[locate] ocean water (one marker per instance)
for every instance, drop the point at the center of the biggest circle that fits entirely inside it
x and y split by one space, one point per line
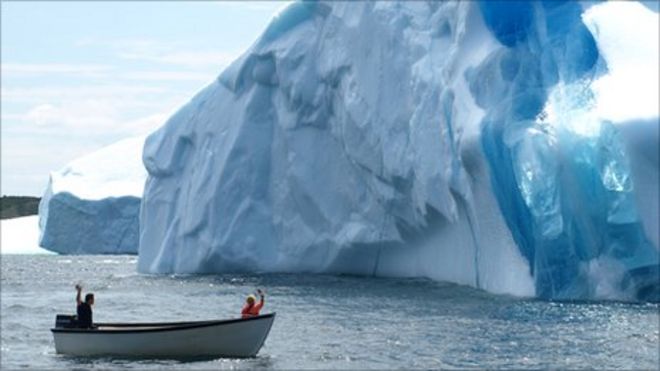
326 322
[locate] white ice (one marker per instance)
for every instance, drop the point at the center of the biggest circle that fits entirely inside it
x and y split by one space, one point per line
91 206
21 236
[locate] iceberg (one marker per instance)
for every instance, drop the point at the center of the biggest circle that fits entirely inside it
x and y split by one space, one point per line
460 141
92 205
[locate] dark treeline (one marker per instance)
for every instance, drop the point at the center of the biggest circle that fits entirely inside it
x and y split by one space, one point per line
15 206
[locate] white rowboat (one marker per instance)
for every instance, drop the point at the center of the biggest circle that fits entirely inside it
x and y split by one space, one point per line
218 338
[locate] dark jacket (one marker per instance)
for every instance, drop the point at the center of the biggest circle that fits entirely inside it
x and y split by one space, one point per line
84 315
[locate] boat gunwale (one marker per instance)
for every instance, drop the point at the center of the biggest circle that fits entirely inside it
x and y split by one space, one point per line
159 326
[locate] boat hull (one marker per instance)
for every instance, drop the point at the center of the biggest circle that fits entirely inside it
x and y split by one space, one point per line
228 338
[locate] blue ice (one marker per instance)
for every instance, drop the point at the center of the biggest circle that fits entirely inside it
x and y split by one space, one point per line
567 199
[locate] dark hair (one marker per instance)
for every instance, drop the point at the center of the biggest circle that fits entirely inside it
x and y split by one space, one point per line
89 297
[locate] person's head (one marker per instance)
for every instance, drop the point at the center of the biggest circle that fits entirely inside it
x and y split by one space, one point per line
250 299
89 299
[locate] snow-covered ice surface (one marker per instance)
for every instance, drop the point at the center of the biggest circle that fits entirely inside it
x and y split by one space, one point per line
472 142
91 206
21 236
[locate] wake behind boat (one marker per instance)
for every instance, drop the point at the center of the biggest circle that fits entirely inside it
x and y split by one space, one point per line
215 338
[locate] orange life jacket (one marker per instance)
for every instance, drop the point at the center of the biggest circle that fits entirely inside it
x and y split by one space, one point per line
252 310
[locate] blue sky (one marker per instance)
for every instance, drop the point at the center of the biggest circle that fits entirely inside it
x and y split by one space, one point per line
77 76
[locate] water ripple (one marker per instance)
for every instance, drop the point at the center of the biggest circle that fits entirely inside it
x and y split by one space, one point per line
325 321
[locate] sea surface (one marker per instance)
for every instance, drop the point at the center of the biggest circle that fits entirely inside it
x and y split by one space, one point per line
324 322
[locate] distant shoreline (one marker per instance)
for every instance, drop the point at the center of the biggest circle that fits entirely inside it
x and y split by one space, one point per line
18 206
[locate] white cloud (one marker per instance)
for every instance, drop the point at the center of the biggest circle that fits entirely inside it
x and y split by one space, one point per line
119 43
110 74
81 115
37 69
97 91
86 117
194 59
168 53
168 76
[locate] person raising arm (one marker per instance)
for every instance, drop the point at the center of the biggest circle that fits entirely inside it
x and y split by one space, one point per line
84 308
251 309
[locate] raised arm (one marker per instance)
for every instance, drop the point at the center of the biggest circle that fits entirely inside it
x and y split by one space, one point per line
262 296
78 299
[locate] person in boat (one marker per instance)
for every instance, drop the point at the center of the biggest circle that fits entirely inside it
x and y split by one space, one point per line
251 308
84 309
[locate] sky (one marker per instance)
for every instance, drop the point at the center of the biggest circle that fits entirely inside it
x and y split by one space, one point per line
78 76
